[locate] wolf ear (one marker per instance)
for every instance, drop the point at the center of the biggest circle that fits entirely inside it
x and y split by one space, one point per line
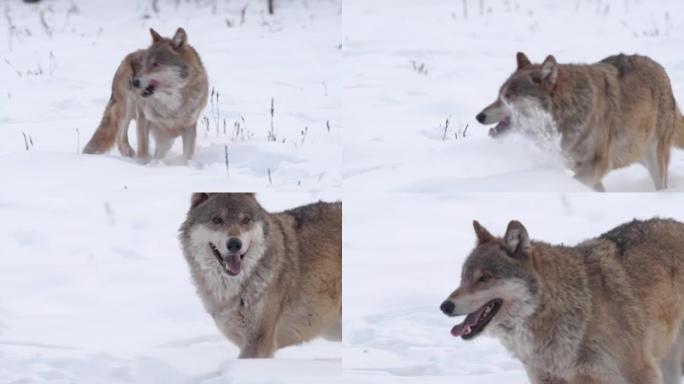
179 39
198 198
155 36
549 69
483 235
522 60
516 238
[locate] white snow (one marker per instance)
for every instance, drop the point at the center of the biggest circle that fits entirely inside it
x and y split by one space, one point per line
411 65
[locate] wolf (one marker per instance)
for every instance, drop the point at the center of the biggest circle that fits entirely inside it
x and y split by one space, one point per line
164 88
607 310
269 280
609 115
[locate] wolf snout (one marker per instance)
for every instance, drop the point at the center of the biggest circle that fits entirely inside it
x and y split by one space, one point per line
447 307
481 117
234 245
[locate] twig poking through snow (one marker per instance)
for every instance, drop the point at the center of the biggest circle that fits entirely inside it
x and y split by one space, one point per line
110 213
78 141
420 69
43 21
12 66
304 132
225 149
271 132
243 12
270 180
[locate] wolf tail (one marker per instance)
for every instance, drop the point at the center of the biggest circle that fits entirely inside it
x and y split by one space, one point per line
679 129
105 135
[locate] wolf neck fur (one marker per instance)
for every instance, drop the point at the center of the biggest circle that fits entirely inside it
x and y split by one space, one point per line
542 334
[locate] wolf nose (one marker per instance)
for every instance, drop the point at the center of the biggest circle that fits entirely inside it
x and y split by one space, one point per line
480 117
234 245
447 307
135 83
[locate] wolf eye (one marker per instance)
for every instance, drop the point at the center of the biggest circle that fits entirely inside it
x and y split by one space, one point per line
155 64
485 277
246 220
217 220
536 79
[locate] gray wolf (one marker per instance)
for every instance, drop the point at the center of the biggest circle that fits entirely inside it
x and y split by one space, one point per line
164 88
609 115
607 310
269 280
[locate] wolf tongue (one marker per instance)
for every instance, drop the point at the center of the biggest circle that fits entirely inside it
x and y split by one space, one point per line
469 322
233 263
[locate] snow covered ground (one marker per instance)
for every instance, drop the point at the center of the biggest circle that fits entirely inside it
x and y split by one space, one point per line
411 65
402 257
94 289
59 57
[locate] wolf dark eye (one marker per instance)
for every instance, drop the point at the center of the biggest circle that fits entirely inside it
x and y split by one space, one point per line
246 220
217 220
155 64
485 277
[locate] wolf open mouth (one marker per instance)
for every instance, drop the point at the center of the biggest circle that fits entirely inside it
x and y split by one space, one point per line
148 91
503 126
475 322
231 263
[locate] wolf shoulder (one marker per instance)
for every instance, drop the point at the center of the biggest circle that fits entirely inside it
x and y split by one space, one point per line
647 238
633 64
320 214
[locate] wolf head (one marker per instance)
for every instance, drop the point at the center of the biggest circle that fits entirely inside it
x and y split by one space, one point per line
225 231
526 93
162 67
497 287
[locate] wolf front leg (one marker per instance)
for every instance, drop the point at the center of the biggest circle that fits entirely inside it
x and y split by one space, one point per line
189 137
542 377
591 172
143 135
261 341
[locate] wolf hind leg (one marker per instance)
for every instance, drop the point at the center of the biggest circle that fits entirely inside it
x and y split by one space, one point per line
650 161
663 155
122 138
108 130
